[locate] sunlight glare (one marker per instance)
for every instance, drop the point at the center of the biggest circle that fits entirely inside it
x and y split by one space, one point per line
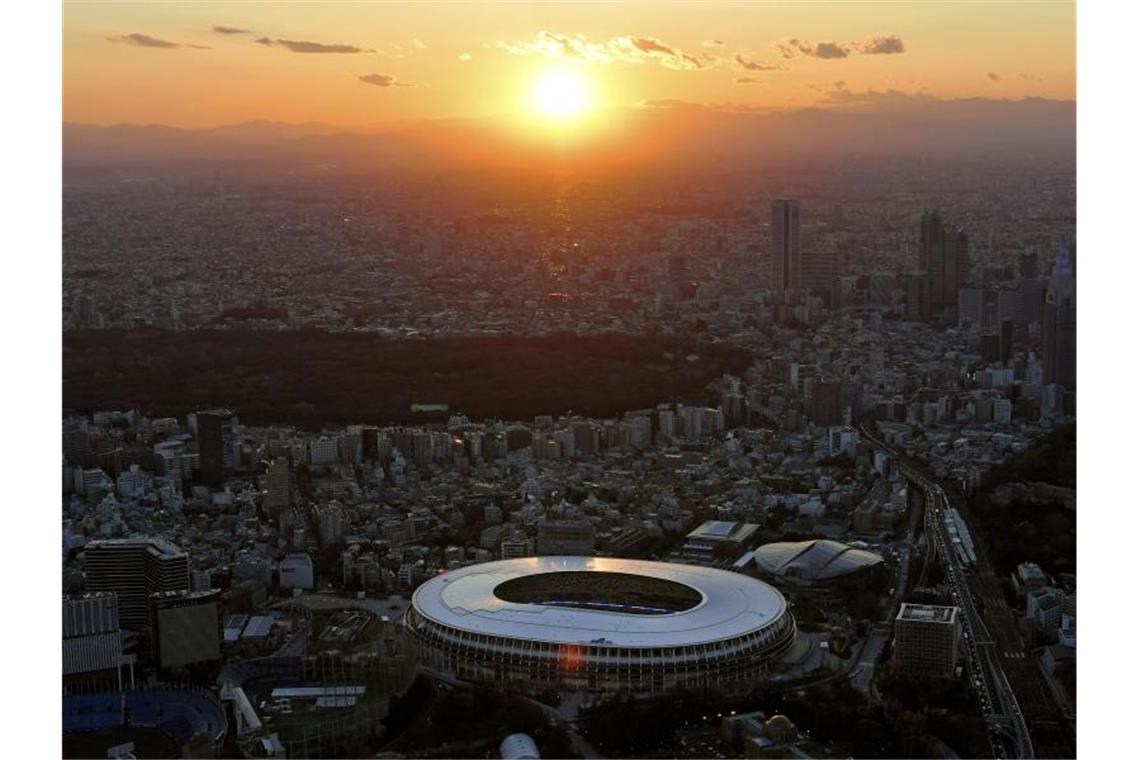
561 95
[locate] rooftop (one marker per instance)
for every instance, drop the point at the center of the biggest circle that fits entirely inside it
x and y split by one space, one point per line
927 613
731 604
720 530
818 559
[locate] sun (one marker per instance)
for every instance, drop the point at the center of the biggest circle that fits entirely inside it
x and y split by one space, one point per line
562 95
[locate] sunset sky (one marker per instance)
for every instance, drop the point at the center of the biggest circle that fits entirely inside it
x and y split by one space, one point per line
367 64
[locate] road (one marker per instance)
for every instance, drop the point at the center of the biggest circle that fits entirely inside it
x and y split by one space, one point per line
872 649
1009 734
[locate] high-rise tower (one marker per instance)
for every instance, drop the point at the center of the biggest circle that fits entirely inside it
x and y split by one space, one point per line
213 427
786 271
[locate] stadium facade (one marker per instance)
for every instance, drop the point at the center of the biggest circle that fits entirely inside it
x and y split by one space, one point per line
600 623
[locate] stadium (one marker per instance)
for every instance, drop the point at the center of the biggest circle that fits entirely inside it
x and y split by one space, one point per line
163 722
600 623
815 561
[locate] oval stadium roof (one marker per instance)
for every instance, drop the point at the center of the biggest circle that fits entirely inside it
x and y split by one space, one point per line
816 560
731 605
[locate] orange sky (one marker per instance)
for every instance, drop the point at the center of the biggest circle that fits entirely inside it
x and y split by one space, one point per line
446 60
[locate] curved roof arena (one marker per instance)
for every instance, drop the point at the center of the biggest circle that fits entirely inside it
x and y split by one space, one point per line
729 604
815 560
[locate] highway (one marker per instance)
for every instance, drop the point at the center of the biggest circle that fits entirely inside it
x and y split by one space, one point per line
1009 735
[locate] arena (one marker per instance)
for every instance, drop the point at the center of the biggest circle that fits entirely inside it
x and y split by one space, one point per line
597 623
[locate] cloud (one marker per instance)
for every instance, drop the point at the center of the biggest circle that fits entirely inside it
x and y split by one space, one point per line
840 95
750 65
994 77
418 44
712 43
655 49
145 40
816 50
889 45
219 29
383 80
465 56
750 80
878 45
687 105
1028 77
671 103
301 46
627 49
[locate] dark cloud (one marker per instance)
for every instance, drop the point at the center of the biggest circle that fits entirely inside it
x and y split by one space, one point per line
383 80
829 50
145 40
889 45
219 29
994 76
749 65
302 46
1028 77
879 45
749 80
814 50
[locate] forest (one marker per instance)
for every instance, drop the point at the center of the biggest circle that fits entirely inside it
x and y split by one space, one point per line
313 378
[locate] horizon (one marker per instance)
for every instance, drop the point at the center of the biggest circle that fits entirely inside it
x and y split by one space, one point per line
635 107
203 66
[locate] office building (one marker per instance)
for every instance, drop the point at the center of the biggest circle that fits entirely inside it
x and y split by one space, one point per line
918 300
277 494
187 627
927 639
944 255
1043 607
826 402
214 428
296 571
1059 325
818 272
786 274
133 569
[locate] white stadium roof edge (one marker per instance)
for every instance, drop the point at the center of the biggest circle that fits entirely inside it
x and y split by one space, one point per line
731 604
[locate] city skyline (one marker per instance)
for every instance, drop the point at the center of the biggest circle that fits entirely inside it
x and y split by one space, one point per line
568 380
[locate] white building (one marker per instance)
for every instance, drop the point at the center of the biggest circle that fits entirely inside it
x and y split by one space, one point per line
296 571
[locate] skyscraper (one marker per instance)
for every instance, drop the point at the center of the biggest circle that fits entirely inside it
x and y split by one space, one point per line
944 254
277 487
786 245
212 430
135 568
1059 324
929 241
